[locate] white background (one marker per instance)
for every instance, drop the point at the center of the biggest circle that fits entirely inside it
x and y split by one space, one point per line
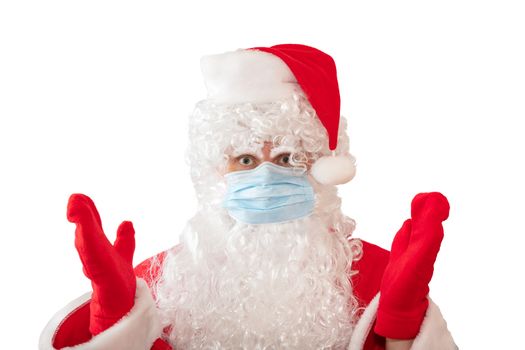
95 96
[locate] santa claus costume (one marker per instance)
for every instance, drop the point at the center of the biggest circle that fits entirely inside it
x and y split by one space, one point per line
268 261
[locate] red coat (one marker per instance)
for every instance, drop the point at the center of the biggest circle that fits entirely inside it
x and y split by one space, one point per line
140 329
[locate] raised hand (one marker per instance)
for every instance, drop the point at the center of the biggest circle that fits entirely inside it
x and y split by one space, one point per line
404 288
109 267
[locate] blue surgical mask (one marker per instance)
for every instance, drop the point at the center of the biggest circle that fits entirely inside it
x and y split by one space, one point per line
268 194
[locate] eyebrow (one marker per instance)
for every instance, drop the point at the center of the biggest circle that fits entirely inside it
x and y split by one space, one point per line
247 150
280 150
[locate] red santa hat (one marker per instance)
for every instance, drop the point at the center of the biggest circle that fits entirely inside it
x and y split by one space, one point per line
265 74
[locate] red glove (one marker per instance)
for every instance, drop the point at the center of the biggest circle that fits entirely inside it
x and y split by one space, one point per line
109 267
404 288
161 345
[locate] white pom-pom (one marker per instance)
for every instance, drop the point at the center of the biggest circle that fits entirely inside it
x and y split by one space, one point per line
334 170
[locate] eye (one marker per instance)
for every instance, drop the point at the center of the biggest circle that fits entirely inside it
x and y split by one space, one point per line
284 159
246 160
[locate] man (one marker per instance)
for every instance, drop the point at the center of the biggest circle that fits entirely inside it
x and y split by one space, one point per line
268 261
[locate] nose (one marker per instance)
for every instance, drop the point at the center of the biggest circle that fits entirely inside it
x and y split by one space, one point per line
266 151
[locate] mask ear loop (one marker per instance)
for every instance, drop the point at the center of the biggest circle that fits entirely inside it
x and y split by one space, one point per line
298 171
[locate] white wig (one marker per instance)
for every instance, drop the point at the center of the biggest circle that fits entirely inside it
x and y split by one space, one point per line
218 131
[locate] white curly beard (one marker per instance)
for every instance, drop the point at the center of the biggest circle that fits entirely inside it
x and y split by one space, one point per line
272 286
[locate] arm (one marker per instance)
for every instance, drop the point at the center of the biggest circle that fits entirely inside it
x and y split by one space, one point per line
374 268
109 267
120 313
404 288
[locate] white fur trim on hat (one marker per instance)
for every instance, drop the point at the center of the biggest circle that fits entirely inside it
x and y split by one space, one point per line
433 335
334 170
135 331
247 76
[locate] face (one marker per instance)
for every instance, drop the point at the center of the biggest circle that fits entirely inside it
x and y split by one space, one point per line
247 161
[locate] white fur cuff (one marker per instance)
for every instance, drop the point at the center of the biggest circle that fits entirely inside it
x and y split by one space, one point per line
433 335
135 331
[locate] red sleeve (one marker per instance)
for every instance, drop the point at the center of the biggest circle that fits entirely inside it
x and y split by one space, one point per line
367 281
74 329
149 269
